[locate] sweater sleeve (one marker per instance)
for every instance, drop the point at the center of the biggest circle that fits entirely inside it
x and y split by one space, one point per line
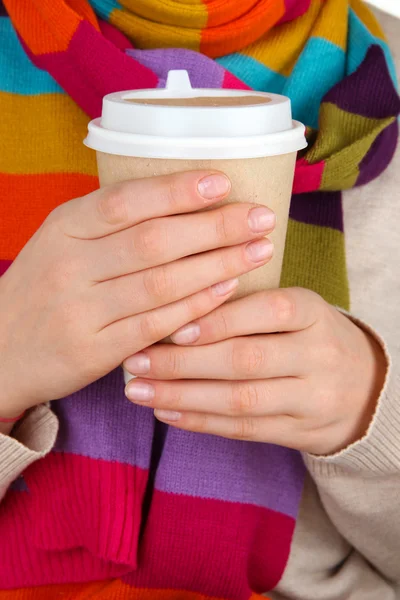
31 439
359 488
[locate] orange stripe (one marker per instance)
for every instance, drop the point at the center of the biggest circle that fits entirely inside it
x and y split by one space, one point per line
105 590
48 25
219 41
28 199
221 11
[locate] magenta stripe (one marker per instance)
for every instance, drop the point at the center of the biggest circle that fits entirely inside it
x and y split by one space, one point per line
4 264
294 9
221 469
93 67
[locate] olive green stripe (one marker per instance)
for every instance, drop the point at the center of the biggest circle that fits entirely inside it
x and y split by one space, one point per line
342 144
315 259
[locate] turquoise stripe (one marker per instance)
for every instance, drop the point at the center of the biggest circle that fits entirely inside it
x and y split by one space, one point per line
360 39
17 74
104 8
308 82
320 66
253 73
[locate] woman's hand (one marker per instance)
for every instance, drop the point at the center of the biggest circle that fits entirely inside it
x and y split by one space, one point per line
281 366
112 273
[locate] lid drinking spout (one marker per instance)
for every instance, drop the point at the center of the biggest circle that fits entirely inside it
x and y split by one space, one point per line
178 81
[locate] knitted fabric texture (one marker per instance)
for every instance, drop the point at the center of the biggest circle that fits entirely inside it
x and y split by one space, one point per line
124 507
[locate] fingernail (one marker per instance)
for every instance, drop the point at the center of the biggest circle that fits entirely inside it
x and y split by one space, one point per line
224 287
138 364
139 391
186 335
213 186
261 219
259 250
167 415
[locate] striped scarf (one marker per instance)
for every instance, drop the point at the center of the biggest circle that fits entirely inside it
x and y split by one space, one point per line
147 510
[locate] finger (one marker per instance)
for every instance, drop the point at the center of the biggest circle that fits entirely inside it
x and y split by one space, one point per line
139 331
164 240
280 430
143 291
237 398
122 205
270 311
241 358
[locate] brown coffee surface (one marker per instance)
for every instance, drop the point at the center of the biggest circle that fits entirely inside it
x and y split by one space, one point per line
216 101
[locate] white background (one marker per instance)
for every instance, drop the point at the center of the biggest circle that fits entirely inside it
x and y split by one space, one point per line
390 6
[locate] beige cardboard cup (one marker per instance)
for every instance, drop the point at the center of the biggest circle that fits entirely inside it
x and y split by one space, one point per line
250 136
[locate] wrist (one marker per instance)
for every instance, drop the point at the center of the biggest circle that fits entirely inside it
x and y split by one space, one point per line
7 422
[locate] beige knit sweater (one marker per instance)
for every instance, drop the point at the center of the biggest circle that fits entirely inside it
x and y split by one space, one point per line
347 539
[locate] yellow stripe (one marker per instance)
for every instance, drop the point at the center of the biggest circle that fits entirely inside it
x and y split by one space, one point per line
280 49
368 18
283 45
332 23
169 12
148 35
43 134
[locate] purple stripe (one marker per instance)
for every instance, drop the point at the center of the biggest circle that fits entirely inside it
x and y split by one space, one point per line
318 208
369 91
19 485
203 71
93 67
4 264
221 469
99 422
379 155
3 11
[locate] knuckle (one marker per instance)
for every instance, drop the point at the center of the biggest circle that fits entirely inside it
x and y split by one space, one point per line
62 278
151 328
327 402
283 306
112 207
174 192
225 266
244 399
173 399
149 240
244 428
221 230
159 284
329 355
247 358
173 363
221 324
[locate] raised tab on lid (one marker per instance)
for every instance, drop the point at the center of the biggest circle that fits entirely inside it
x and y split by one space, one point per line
178 81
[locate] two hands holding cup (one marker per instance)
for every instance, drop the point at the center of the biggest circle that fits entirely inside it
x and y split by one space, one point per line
111 274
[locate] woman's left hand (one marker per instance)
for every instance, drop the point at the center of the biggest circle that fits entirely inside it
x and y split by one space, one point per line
280 366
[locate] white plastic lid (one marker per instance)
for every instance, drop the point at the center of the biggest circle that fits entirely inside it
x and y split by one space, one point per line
181 122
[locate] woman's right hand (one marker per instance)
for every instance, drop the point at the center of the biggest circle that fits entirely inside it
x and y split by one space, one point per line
114 272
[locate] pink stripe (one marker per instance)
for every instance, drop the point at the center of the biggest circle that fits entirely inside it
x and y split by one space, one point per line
4 264
115 36
307 177
93 67
212 547
80 521
294 9
233 83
